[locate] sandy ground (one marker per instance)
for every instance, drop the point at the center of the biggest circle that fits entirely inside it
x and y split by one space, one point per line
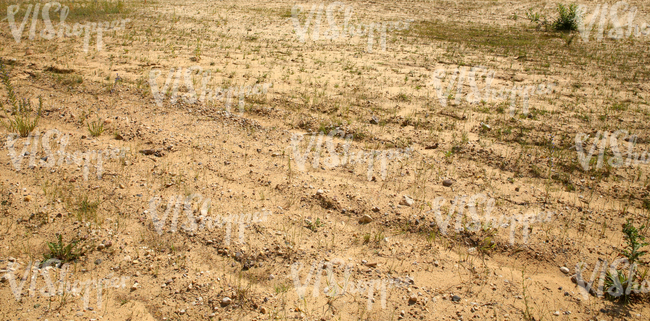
355 219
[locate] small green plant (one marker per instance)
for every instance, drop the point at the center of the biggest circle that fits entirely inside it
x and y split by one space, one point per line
197 51
618 279
634 242
532 16
281 288
527 314
449 156
65 253
314 225
86 209
379 236
96 128
21 122
568 19
487 244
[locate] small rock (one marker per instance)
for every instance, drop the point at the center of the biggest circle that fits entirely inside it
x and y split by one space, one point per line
406 201
375 209
271 277
371 264
154 152
28 198
319 192
276 154
455 298
434 146
365 219
122 186
447 183
413 299
225 301
574 279
565 270
135 286
101 247
374 120
263 310
556 313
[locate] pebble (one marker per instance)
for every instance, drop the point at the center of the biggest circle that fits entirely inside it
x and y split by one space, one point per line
455 298
406 201
565 270
225 301
447 182
365 219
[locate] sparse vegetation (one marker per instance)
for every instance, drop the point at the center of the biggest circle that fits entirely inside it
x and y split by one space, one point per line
65 253
96 127
568 18
20 120
620 282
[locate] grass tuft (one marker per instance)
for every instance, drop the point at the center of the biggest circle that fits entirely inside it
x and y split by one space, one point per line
21 123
